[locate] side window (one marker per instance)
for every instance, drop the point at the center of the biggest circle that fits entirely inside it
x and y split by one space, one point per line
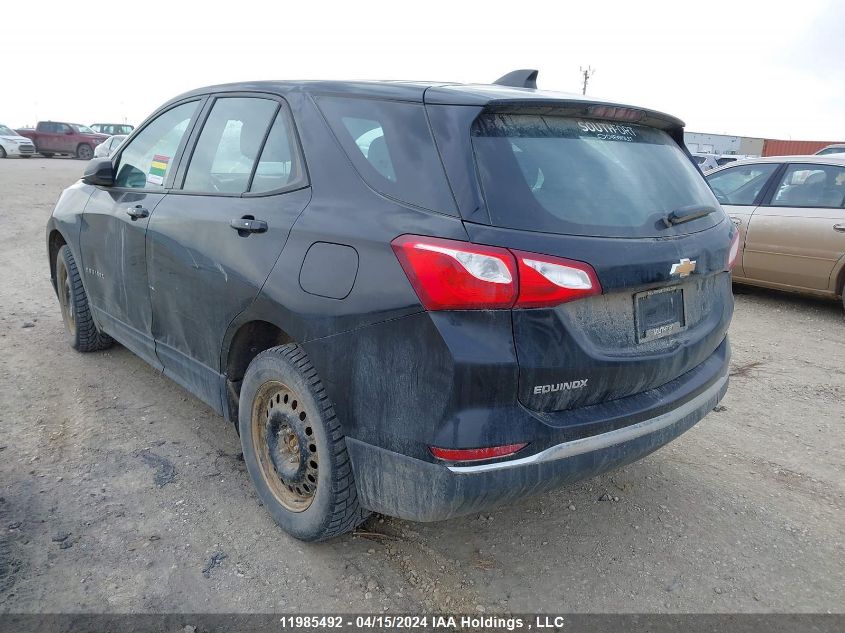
145 162
811 186
742 184
62 128
279 165
369 137
391 147
229 144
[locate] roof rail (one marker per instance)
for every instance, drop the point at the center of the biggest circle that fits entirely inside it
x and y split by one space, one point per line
524 78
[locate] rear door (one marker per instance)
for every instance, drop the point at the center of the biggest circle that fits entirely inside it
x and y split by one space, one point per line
600 192
797 236
212 242
740 189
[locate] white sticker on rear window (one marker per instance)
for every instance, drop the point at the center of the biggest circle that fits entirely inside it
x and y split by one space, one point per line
608 131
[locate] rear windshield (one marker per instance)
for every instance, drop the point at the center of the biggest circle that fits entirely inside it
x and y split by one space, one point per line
585 177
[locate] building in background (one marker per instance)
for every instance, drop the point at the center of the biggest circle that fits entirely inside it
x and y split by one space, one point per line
723 144
720 144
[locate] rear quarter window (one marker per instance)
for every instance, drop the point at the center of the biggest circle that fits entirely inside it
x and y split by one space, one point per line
391 147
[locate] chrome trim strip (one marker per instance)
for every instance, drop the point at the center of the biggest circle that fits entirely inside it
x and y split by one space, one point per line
605 440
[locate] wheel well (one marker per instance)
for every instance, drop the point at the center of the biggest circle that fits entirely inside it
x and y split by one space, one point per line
55 242
248 342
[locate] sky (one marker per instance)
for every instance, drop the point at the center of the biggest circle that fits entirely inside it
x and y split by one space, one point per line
743 67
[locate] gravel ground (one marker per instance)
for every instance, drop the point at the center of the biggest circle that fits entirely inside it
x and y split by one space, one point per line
123 493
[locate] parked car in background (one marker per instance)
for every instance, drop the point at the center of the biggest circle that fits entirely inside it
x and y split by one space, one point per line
468 294
57 137
726 159
107 147
113 128
837 148
706 162
13 144
790 211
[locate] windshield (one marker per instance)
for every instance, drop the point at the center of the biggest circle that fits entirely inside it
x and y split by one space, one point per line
831 150
585 177
82 129
4 131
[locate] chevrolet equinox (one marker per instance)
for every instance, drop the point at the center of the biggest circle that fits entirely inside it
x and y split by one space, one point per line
419 299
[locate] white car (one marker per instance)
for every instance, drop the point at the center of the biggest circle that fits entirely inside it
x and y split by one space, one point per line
836 148
13 144
107 147
706 161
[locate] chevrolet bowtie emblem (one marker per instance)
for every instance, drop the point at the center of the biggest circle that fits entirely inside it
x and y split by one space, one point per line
683 268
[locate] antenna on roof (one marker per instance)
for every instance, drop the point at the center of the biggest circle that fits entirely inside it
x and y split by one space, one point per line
524 78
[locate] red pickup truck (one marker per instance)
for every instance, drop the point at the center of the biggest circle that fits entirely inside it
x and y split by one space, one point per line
51 137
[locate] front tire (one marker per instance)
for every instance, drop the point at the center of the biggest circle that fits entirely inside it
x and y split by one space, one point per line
294 448
80 329
3 153
84 152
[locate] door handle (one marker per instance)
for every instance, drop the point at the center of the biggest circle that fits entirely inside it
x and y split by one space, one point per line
245 226
137 212
839 227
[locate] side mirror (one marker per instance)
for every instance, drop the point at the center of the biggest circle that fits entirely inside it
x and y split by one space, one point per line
100 172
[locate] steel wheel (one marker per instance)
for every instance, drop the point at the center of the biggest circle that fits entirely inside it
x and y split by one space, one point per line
65 291
285 445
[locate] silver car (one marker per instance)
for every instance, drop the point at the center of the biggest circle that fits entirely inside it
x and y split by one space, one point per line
13 144
108 147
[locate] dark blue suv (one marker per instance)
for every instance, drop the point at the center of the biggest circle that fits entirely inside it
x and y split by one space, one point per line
420 299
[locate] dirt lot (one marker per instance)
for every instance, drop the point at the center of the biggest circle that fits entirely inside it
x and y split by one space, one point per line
742 513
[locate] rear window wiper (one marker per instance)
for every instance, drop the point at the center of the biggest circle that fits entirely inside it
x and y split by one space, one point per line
685 214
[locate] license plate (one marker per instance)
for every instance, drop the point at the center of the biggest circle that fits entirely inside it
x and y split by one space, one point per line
659 313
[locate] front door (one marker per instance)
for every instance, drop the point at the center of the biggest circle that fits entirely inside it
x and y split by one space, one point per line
213 241
114 225
793 240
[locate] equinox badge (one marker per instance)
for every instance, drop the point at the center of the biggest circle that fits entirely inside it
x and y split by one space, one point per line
561 386
683 268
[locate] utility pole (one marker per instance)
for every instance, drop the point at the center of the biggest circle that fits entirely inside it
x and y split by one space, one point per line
587 73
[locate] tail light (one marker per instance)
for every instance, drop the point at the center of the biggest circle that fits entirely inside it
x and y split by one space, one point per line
733 251
549 281
453 275
475 454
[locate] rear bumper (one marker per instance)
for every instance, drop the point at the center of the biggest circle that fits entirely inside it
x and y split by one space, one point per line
409 488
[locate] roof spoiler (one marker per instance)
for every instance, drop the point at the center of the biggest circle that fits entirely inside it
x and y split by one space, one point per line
524 78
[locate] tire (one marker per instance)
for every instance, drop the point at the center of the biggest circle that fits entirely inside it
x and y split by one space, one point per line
294 448
80 330
84 152
3 152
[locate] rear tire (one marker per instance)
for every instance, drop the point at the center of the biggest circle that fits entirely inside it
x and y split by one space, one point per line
84 152
294 448
80 330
